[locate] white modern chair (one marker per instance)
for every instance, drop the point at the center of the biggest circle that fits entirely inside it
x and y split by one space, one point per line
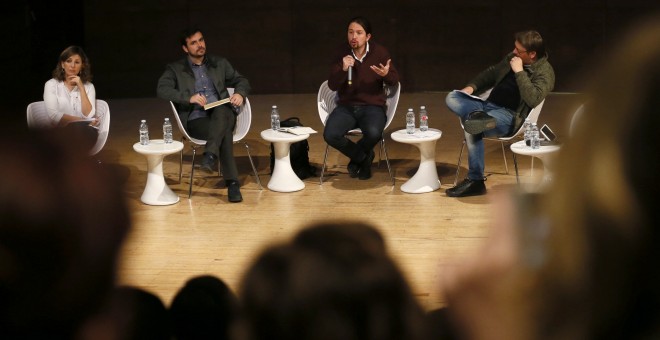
533 117
37 118
243 122
327 101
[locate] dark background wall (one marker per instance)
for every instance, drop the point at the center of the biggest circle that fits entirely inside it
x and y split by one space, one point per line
282 46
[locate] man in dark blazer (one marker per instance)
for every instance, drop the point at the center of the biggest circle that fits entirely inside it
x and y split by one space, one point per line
196 80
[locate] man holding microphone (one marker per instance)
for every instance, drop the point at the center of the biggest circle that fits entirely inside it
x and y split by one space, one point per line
357 73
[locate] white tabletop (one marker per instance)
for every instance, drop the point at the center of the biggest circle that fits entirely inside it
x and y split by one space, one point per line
522 149
278 136
402 136
426 177
158 147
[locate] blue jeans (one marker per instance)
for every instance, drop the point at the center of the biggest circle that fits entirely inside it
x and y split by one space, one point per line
462 105
370 119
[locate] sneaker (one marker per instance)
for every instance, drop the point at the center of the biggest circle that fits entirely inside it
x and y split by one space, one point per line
208 162
365 166
478 122
353 169
234 192
468 187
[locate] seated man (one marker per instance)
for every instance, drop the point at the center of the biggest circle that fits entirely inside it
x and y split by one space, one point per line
519 83
196 80
358 72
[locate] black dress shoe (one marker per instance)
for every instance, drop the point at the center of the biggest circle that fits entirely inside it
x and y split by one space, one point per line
234 192
365 166
353 169
478 122
208 162
467 188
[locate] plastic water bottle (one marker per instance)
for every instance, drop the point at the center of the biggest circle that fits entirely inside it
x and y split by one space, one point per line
167 131
536 140
410 121
144 132
274 118
423 119
527 128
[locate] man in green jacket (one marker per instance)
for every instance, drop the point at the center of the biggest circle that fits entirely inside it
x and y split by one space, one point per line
196 80
519 82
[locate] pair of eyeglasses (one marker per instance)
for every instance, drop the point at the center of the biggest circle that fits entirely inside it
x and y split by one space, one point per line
519 51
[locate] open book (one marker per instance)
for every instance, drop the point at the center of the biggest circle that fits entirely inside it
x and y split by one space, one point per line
214 104
298 130
469 95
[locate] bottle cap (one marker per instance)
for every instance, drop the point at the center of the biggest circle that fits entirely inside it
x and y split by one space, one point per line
274 106
143 121
422 107
167 119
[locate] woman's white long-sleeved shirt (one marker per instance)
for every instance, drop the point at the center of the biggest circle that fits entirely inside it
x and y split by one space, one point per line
59 100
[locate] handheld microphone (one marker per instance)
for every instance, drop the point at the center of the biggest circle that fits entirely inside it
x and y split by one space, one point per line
350 75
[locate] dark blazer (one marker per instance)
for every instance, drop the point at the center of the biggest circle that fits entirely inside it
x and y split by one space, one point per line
177 84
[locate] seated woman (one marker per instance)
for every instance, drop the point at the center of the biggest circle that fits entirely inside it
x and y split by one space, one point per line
70 96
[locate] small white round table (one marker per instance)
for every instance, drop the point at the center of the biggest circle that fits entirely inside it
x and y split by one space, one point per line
284 179
426 178
156 192
546 153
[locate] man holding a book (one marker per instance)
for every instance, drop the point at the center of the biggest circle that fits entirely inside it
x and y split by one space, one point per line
198 81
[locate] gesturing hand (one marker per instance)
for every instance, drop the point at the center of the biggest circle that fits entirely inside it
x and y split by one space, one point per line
383 70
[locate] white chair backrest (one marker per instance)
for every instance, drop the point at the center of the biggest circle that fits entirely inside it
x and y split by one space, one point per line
393 92
575 120
533 117
243 120
37 116
182 129
103 111
327 101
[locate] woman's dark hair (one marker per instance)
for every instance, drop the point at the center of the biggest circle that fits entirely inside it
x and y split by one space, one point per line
362 21
86 70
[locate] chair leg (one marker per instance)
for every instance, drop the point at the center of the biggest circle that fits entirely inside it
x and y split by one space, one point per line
192 172
247 147
506 166
380 152
325 159
387 159
458 166
515 165
181 162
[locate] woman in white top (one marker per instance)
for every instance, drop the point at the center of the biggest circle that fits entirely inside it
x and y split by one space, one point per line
70 95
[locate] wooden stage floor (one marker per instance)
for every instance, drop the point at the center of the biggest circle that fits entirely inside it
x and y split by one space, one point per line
425 233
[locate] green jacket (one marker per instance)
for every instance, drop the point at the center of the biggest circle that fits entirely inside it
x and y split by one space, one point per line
537 80
177 84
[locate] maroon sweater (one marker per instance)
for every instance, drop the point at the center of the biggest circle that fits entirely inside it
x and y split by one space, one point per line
367 88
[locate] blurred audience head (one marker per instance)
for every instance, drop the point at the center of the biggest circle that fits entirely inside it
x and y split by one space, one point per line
205 308
333 281
62 221
601 280
129 313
